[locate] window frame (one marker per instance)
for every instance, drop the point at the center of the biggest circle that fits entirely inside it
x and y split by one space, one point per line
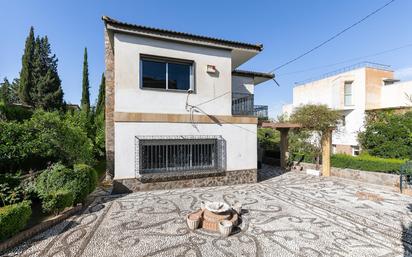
167 60
350 83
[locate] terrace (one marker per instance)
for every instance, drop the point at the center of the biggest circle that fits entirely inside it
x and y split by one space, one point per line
286 214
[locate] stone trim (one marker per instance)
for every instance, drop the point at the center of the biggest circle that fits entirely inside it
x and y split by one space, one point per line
109 102
227 178
182 175
182 118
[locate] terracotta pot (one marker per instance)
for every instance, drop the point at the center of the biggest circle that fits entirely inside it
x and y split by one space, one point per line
193 221
225 227
237 207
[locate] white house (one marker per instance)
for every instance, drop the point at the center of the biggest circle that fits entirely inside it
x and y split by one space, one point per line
354 91
178 113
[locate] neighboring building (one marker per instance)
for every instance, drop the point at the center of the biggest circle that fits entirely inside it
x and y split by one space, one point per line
178 113
354 91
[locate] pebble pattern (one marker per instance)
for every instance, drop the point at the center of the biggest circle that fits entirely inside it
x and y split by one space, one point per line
291 214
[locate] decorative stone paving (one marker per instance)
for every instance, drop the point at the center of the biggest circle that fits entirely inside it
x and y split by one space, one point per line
289 214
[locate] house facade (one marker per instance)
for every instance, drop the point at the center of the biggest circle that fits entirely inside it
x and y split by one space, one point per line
178 112
354 91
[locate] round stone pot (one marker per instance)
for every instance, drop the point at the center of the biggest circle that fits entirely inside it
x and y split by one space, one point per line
225 227
237 207
193 221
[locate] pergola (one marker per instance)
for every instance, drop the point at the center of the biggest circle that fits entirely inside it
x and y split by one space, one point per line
284 128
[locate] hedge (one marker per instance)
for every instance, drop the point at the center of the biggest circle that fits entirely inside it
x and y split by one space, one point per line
56 201
366 162
14 218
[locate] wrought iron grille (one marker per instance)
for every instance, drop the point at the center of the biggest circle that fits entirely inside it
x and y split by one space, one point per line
261 111
180 153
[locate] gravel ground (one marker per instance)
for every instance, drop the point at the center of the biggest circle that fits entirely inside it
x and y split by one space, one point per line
289 214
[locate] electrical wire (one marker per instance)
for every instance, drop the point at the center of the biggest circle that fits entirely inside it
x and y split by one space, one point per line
331 38
347 60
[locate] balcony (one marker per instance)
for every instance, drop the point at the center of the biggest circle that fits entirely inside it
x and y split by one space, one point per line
243 104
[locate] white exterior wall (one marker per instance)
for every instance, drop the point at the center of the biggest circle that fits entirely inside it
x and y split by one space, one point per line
241 141
329 91
129 97
395 95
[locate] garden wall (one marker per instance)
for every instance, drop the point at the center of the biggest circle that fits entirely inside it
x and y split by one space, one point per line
378 178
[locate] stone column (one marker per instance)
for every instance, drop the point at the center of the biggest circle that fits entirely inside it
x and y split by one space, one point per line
284 151
326 150
109 102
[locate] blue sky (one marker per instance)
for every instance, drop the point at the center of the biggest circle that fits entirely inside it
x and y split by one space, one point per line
286 28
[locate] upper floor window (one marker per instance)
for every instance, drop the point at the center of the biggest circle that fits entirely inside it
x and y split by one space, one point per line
348 93
167 74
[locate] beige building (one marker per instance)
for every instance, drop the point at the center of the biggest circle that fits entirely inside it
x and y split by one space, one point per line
354 91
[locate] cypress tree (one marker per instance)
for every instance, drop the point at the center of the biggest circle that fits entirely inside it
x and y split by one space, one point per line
85 101
47 93
100 99
5 91
26 79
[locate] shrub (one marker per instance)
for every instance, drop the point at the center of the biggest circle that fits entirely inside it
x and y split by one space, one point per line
366 162
15 112
268 138
58 200
388 135
46 137
14 218
56 177
84 182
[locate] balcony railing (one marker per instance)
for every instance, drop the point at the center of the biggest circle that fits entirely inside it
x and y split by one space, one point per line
261 111
242 104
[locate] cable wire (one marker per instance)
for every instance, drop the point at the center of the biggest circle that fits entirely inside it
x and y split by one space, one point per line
333 37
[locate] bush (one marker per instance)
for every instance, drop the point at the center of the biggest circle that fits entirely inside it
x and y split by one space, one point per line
56 201
14 218
15 112
388 135
84 183
366 162
46 137
268 138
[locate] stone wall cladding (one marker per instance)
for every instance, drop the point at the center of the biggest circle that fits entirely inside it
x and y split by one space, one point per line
378 178
109 102
229 178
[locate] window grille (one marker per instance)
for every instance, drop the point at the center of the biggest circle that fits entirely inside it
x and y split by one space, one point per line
179 153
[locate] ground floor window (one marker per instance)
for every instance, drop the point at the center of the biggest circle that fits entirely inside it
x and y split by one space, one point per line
178 153
355 150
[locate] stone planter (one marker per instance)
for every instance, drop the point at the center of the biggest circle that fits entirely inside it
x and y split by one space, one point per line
225 227
193 221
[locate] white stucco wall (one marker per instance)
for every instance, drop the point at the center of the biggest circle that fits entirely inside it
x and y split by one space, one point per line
240 140
329 91
129 97
395 95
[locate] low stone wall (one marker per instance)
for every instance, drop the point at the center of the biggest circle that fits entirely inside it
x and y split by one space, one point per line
121 186
378 178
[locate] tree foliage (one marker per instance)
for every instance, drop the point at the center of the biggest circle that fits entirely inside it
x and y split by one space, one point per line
85 101
388 135
26 73
101 97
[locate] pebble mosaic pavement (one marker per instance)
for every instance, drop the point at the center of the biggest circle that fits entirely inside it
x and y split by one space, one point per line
289 214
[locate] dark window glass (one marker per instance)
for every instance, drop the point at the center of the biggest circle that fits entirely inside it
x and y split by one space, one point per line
154 74
178 76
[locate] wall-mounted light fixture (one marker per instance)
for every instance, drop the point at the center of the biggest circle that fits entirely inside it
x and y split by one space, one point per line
211 69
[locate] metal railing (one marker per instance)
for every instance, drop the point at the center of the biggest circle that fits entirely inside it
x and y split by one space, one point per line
261 111
347 68
242 104
179 153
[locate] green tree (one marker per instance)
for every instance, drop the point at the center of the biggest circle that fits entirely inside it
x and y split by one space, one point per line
388 135
318 120
26 76
47 93
100 99
5 91
14 91
85 101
